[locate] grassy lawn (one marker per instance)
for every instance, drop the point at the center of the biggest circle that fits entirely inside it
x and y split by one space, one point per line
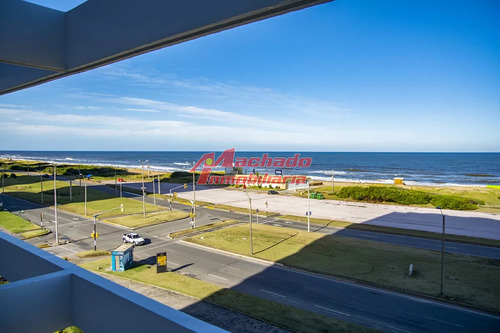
490 195
202 228
395 231
137 220
468 279
92 253
34 233
268 311
130 206
15 224
29 188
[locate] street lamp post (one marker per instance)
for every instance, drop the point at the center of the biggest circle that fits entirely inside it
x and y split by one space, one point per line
116 185
251 238
309 205
3 183
85 196
55 206
442 250
143 189
159 187
154 192
194 201
41 187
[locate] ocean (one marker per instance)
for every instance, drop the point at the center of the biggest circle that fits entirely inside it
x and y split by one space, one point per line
477 169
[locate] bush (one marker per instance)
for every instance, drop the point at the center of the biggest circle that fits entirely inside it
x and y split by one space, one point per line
407 197
455 203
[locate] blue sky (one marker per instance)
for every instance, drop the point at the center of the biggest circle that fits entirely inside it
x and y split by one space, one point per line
352 75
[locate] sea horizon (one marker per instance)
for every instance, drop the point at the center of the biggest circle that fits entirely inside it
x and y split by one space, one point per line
418 168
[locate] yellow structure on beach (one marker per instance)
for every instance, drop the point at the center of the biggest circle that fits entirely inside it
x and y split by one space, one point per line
399 181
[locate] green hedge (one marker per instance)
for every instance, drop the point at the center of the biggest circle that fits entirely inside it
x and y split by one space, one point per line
407 197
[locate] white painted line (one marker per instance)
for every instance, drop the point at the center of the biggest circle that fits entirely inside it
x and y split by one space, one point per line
173 263
331 310
270 292
215 276
451 247
152 247
70 250
277 225
236 269
443 321
397 329
370 236
288 222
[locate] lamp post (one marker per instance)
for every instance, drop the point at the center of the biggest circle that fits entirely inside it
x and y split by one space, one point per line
251 238
55 206
3 183
308 205
41 187
194 201
154 192
159 187
442 250
143 190
85 196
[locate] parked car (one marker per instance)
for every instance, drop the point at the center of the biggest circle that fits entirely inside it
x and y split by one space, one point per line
45 175
133 238
272 192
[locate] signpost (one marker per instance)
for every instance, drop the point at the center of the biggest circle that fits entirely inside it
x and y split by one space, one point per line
161 262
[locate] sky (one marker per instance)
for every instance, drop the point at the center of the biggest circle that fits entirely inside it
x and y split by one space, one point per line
351 75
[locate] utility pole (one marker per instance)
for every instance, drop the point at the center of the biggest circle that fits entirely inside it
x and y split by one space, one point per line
154 192
308 206
116 185
85 196
55 206
143 191
80 176
70 191
159 187
194 201
250 215
442 252
94 235
3 183
41 187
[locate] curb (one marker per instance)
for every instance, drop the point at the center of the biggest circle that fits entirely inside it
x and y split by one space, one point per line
231 254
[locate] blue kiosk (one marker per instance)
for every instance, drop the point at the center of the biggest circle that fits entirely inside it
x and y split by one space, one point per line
122 257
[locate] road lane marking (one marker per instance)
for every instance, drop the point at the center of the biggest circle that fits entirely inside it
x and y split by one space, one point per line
370 236
216 276
397 329
331 310
173 263
443 321
277 225
237 269
270 292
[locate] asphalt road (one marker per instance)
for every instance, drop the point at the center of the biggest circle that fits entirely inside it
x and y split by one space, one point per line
205 216
372 307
